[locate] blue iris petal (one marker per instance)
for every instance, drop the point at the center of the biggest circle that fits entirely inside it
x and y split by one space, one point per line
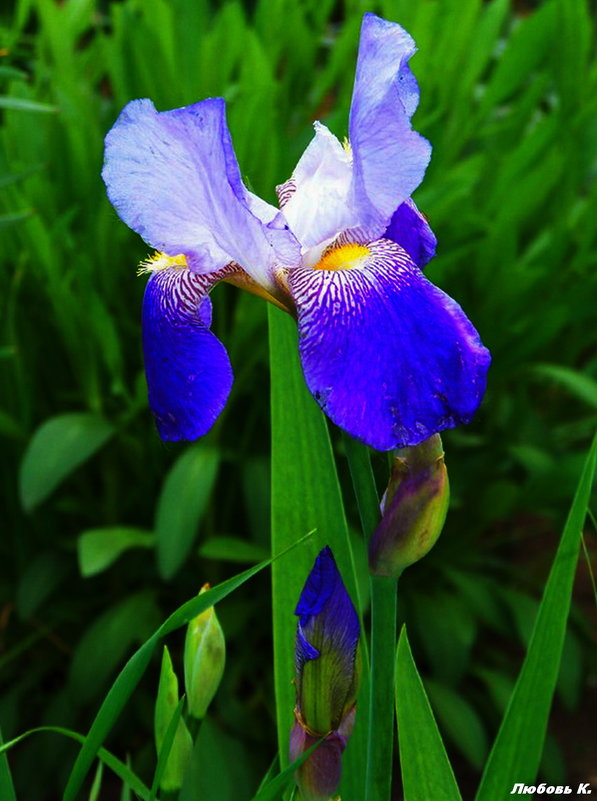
188 371
409 229
328 628
388 356
318 587
304 650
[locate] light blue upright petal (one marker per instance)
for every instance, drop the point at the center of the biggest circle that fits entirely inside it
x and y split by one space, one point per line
389 158
173 177
188 371
389 357
315 200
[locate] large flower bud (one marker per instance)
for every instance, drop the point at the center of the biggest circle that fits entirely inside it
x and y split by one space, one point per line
327 677
204 660
413 508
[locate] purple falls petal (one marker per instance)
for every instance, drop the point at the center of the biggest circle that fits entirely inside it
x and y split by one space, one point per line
409 229
188 371
389 158
326 647
388 356
172 176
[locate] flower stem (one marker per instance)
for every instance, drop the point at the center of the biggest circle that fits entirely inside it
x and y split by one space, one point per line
380 741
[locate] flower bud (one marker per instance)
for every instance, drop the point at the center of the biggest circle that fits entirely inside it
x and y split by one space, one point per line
204 659
327 678
413 508
182 745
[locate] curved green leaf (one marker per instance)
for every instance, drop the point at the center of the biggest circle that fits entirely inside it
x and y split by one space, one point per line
59 446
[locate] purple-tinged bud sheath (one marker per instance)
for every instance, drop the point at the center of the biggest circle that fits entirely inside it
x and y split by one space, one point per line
414 508
319 776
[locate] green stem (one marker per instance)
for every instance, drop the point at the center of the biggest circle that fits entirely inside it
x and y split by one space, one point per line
363 482
380 740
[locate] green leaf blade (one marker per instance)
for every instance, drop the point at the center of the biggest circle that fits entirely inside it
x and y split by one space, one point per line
516 753
426 770
181 505
57 448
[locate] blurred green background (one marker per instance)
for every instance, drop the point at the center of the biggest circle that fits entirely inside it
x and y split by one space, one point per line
105 529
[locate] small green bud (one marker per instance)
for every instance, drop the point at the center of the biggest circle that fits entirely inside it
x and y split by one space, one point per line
182 746
414 508
204 659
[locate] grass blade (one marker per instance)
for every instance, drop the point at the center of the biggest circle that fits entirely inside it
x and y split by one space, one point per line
7 790
426 769
121 769
272 790
21 104
516 753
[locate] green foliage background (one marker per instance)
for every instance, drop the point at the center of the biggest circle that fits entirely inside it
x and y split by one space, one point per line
105 529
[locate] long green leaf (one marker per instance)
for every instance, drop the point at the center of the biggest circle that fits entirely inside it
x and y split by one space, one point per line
380 736
516 753
305 495
426 770
122 770
21 104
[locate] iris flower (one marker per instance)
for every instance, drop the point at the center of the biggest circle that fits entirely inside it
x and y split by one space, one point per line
327 678
387 355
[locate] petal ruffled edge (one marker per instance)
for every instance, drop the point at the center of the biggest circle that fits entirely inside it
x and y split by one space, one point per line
389 157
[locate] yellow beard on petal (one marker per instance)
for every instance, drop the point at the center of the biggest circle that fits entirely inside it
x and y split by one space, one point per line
344 257
161 261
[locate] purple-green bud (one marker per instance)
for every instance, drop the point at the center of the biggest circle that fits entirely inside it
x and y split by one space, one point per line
327 662
204 660
182 746
414 508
